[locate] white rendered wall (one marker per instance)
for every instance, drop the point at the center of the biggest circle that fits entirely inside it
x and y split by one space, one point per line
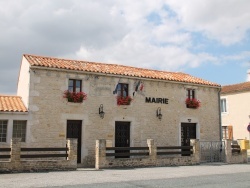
238 114
24 82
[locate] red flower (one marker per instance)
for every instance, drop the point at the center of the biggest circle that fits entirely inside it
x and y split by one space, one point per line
192 103
124 100
76 97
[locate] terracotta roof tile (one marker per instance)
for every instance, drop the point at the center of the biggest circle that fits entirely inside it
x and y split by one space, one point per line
240 87
114 69
11 104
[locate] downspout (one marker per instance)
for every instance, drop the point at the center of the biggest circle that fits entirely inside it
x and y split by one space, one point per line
220 127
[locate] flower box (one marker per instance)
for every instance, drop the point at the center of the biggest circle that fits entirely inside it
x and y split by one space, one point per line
192 103
124 100
76 97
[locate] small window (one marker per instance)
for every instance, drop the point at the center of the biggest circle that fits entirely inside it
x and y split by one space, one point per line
191 101
190 93
122 90
19 129
227 132
75 85
3 130
223 105
123 97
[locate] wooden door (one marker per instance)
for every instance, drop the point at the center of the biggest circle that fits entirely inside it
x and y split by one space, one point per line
188 131
122 136
74 130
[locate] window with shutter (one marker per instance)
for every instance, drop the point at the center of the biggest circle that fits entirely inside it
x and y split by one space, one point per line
227 132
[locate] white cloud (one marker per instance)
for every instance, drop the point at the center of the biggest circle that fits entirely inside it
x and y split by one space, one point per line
239 57
226 20
119 31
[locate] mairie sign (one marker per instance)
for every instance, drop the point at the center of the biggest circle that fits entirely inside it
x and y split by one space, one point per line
156 100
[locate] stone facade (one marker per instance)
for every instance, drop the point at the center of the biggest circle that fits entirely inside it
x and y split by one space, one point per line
49 111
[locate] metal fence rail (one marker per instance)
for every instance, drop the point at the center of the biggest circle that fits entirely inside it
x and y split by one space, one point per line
212 151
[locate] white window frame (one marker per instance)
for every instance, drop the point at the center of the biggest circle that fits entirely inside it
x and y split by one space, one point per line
226 134
223 106
224 130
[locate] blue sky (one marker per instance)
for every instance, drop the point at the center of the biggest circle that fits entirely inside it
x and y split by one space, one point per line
228 70
209 39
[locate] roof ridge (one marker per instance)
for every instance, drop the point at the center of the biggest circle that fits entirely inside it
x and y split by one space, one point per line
236 84
101 63
114 69
3 95
233 88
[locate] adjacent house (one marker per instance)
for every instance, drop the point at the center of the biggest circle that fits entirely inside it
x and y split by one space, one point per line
13 119
235 111
125 105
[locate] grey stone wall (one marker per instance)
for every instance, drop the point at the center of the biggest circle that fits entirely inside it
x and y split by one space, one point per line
16 164
234 157
152 160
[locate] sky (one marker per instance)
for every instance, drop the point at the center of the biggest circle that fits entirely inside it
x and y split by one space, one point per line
209 39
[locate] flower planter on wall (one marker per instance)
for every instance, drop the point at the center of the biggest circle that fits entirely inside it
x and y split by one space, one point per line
124 100
192 103
75 97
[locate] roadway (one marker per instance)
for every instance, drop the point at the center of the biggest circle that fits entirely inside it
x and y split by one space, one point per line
202 176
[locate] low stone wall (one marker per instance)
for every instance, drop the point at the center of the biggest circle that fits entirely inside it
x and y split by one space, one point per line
233 158
152 160
16 164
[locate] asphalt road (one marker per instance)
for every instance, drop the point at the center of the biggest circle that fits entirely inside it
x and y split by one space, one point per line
204 176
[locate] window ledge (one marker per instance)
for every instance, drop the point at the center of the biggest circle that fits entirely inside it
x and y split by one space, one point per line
72 103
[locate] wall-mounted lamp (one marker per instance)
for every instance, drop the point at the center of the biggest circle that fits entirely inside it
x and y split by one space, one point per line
158 113
189 120
101 112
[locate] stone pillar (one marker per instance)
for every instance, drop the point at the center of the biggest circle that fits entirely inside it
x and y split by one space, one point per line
152 149
196 149
72 153
100 153
244 156
16 153
228 151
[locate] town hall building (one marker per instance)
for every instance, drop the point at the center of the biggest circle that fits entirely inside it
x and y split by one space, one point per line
61 98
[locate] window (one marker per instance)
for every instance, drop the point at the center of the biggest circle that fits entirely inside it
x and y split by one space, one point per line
223 105
75 85
3 130
191 101
19 129
122 90
123 97
190 93
227 132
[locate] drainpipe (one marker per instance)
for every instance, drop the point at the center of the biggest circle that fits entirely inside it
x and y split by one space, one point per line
220 128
